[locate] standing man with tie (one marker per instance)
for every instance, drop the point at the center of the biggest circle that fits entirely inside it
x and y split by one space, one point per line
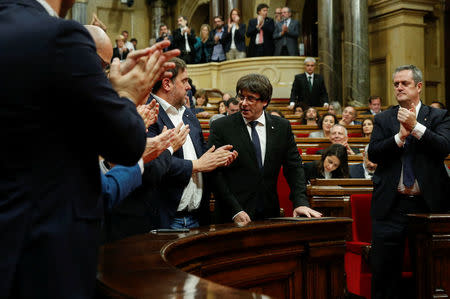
247 190
286 35
260 31
309 88
184 39
409 143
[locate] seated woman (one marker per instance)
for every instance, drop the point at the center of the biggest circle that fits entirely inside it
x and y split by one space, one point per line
222 107
325 123
201 99
335 108
333 164
298 111
367 127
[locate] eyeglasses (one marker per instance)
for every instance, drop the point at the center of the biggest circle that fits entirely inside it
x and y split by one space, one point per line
250 99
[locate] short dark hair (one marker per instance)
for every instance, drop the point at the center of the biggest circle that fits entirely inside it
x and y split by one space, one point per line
374 98
439 103
340 152
179 65
256 83
416 72
233 101
320 122
125 31
261 6
133 40
162 25
218 17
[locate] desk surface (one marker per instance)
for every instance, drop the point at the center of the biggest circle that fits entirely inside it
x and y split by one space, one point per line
156 265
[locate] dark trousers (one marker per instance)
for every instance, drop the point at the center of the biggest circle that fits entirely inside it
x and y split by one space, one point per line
388 248
188 57
259 50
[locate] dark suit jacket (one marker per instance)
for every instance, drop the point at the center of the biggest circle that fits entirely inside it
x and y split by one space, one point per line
179 41
167 195
239 38
356 171
428 164
311 171
300 91
252 32
242 185
57 117
116 53
290 38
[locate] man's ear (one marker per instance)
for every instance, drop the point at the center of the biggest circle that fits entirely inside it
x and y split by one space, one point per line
166 84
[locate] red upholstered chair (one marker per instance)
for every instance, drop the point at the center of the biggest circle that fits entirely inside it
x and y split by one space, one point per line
312 150
283 194
299 150
356 266
354 135
302 135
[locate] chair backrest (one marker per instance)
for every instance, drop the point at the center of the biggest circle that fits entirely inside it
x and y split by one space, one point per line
362 224
283 191
312 150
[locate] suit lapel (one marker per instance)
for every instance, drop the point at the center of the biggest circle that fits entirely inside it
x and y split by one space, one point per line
422 117
187 120
271 130
395 123
241 127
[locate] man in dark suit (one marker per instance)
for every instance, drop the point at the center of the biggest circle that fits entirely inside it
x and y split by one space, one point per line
184 40
260 31
363 170
409 143
247 190
178 200
57 117
309 88
164 35
374 106
286 35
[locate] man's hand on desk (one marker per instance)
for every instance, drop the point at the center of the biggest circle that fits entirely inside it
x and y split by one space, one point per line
242 218
306 211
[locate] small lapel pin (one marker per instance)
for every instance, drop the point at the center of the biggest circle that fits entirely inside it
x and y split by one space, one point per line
273 128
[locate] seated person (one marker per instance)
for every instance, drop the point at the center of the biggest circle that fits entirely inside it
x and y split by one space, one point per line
333 164
312 116
120 50
363 170
232 106
201 99
299 108
349 117
338 135
222 107
325 123
374 105
335 108
277 113
367 127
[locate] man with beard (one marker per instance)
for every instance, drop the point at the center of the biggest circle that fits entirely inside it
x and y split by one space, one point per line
218 54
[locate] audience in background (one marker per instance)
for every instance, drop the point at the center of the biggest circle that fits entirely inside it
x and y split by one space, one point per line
204 45
120 50
374 105
201 99
234 36
226 96
277 113
367 127
134 42
311 117
349 116
338 135
335 108
184 40
325 123
332 164
128 44
363 170
222 108
260 31
299 109
217 36
286 35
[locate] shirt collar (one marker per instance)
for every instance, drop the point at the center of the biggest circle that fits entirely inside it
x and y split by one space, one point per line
418 108
48 8
307 75
166 106
261 120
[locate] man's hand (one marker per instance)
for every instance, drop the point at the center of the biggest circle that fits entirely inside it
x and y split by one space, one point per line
306 211
242 218
213 159
284 29
180 135
149 113
156 145
407 117
349 149
403 133
203 114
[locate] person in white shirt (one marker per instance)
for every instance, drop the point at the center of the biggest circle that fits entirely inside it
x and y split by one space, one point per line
128 44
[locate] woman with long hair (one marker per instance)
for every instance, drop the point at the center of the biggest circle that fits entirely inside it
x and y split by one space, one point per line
367 127
204 45
333 164
234 36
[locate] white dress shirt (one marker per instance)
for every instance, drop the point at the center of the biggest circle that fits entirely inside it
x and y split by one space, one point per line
186 42
261 130
417 132
192 193
48 8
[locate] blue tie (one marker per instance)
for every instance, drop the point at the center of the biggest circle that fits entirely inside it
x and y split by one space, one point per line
256 143
407 161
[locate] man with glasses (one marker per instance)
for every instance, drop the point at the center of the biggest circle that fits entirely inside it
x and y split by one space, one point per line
247 190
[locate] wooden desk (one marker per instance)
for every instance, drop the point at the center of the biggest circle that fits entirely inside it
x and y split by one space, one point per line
332 197
430 242
283 259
